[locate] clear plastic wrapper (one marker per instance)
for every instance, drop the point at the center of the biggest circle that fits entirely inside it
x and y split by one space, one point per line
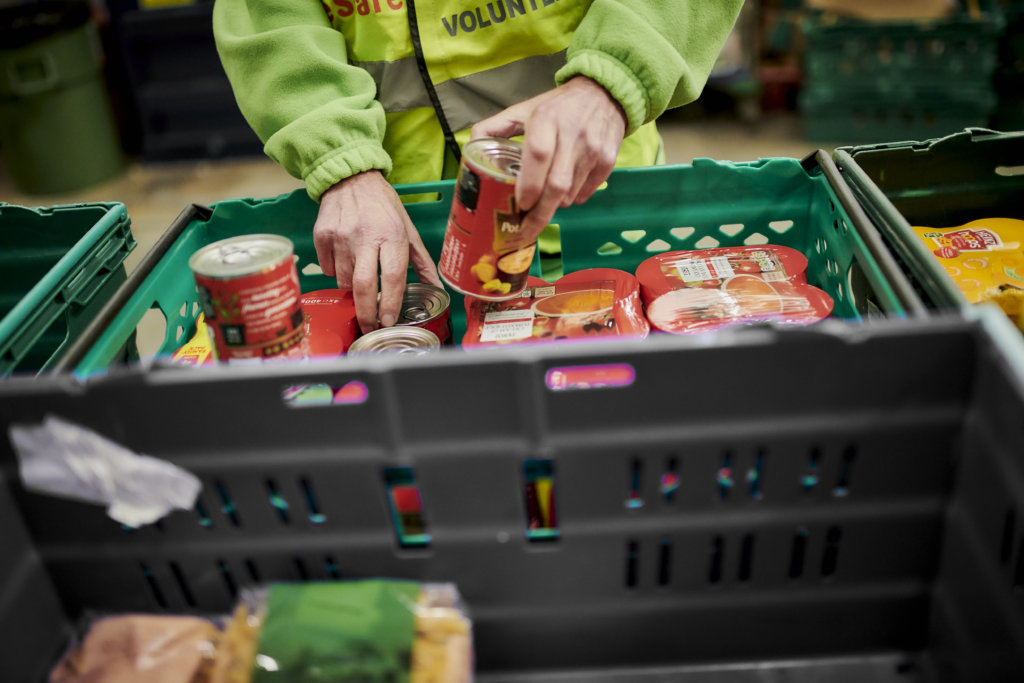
141 648
696 291
591 304
347 632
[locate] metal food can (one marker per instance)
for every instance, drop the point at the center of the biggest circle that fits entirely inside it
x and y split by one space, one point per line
404 340
485 254
248 288
329 321
427 306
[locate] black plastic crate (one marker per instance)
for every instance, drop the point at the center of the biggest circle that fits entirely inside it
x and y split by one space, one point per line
946 181
836 503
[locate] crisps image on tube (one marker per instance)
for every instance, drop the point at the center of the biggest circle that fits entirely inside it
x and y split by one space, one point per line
985 258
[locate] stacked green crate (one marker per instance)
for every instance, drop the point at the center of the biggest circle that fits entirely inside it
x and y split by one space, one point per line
1009 77
869 81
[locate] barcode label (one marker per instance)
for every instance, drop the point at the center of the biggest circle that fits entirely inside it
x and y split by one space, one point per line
539 292
722 267
505 316
693 271
696 270
508 331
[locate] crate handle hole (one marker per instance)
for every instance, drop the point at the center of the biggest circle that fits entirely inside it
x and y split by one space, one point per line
1009 171
324 394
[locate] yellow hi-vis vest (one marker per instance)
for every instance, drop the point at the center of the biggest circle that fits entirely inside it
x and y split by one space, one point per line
442 65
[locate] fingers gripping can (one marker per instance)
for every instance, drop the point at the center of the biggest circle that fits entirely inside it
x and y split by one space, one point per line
248 288
485 254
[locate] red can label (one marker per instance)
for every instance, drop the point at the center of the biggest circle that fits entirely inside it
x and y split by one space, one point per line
255 315
485 254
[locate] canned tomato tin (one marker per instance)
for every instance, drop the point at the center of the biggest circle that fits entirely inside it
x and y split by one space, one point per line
427 306
329 321
249 290
485 254
405 340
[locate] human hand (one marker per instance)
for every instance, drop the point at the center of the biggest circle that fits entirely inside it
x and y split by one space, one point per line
362 225
572 136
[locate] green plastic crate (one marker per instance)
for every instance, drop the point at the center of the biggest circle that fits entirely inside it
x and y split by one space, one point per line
888 56
641 212
942 182
60 266
859 116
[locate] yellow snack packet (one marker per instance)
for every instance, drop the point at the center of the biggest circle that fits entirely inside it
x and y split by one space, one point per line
985 258
199 349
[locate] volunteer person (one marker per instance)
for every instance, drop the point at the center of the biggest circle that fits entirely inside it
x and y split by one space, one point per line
353 96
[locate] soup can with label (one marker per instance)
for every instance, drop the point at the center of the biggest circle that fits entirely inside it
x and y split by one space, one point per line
248 288
485 254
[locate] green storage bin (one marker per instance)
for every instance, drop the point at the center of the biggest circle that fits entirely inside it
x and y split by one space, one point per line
57 129
942 182
889 56
860 116
642 211
61 265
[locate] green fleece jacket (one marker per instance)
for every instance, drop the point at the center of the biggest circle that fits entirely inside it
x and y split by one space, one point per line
301 71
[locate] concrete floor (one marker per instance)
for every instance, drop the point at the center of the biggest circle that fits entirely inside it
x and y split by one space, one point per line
155 193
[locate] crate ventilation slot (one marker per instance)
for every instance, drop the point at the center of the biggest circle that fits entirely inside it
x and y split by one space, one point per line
664 563
707 242
229 580
634 500
609 249
632 560
315 516
254 572
746 558
406 507
715 564
204 518
539 498
332 568
300 569
731 229
830 559
277 501
633 236
842 486
670 480
811 476
227 505
154 586
797 554
657 246
781 227
724 477
682 234
755 474
312 269
754 239
182 581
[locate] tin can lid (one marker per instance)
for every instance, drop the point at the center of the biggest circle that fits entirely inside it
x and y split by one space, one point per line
497 157
240 255
410 340
421 303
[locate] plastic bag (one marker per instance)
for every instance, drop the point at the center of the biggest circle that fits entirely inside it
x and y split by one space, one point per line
343 632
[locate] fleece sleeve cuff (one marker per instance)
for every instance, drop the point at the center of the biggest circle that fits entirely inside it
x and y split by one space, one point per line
614 77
